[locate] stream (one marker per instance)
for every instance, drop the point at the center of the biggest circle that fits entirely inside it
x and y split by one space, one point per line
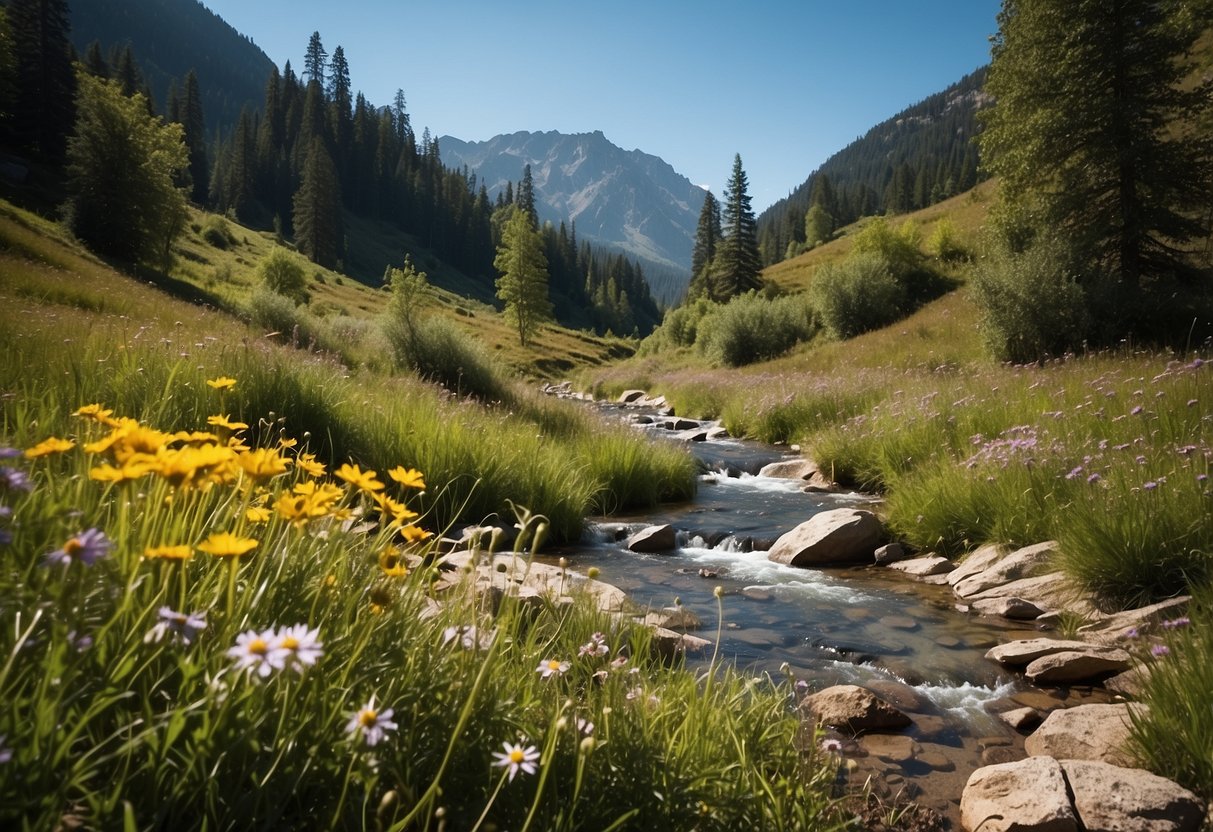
869 626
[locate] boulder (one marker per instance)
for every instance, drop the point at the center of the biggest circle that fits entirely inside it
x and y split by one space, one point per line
1025 651
789 469
660 538
692 435
1113 627
500 575
1085 732
1108 798
630 396
717 433
1027 562
978 560
854 708
844 535
680 424
1016 609
890 553
669 645
672 618
1051 591
924 566
1021 719
1024 796
1071 666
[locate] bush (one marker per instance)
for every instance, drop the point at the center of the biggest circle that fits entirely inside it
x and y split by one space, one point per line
752 328
945 243
1033 304
898 249
216 232
281 273
277 313
857 295
440 352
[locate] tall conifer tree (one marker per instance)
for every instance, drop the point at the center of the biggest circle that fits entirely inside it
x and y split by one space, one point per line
317 208
194 125
707 237
737 265
44 89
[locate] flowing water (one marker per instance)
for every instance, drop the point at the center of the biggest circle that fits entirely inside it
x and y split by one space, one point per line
866 626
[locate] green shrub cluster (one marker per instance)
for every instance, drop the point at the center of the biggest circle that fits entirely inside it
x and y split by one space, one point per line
217 232
282 273
857 295
752 328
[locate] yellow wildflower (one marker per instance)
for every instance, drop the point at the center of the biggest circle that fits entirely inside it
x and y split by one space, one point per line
398 511
285 442
354 475
168 552
237 444
48 446
221 420
195 437
391 564
221 383
410 478
186 467
226 545
96 412
257 514
414 534
308 464
262 463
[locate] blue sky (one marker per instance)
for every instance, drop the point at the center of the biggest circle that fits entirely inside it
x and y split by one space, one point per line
785 83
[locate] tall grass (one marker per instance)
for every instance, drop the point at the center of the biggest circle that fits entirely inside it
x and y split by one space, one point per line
156 688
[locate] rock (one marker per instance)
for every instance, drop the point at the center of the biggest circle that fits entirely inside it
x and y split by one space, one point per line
508 574
1131 683
890 553
1085 732
789 469
1051 591
899 695
1116 625
936 760
653 539
717 433
844 535
669 644
692 435
1025 796
1025 651
1070 666
999 754
854 708
1112 799
630 396
1021 719
899 622
1027 562
931 727
976 561
1038 699
679 424
891 748
1016 609
924 566
673 618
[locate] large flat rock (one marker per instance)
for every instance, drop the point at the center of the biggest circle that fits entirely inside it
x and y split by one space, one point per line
1027 562
1085 732
1024 796
1072 666
855 709
1108 798
840 536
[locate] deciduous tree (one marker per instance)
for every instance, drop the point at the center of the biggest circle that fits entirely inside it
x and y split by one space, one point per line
523 285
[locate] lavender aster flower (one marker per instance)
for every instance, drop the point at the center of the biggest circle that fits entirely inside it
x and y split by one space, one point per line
183 627
1160 650
12 479
87 547
371 723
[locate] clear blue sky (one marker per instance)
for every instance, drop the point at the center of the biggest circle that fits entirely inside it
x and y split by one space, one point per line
785 83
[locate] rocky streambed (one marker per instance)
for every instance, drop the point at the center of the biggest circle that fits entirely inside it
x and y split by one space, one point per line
949 685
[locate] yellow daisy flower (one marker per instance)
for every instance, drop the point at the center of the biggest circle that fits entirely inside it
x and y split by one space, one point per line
355 476
48 446
308 464
221 383
168 552
226 545
414 534
391 563
96 412
257 514
222 421
410 478
262 463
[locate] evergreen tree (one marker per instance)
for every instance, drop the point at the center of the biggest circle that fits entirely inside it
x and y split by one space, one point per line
317 208
525 198
341 116
707 238
1096 128
736 267
315 60
94 62
126 72
44 88
7 75
239 171
194 127
121 165
523 285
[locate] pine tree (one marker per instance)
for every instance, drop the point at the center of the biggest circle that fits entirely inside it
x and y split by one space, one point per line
121 165
525 198
315 60
94 62
736 267
523 285
1096 128
194 127
44 89
707 238
317 208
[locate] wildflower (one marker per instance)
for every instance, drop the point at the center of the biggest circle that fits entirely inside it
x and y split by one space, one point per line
619 662
302 646
79 642
262 463
48 446
1202 477
516 757
1176 623
414 534
13 480
1136 409
411 478
110 473
308 464
1132 632
585 727
395 509
9 453
97 412
1094 478
221 383
1074 472
181 552
596 646
831 746
355 476
547 667
226 545
1160 650
257 514
258 651
371 723
391 564
6 753
183 627
470 637
87 547
222 421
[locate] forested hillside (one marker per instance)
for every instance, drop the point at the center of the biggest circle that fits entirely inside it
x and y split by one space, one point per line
920 156
171 37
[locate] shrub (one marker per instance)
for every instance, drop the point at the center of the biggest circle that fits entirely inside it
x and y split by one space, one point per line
216 232
752 328
438 351
945 242
278 313
898 249
1033 304
856 295
281 273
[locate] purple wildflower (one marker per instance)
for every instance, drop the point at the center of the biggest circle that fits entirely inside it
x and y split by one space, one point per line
1160 650
1196 364
184 627
1131 633
1074 472
1176 623
87 547
1137 409
1094 478
9 453
12 479
1150 486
